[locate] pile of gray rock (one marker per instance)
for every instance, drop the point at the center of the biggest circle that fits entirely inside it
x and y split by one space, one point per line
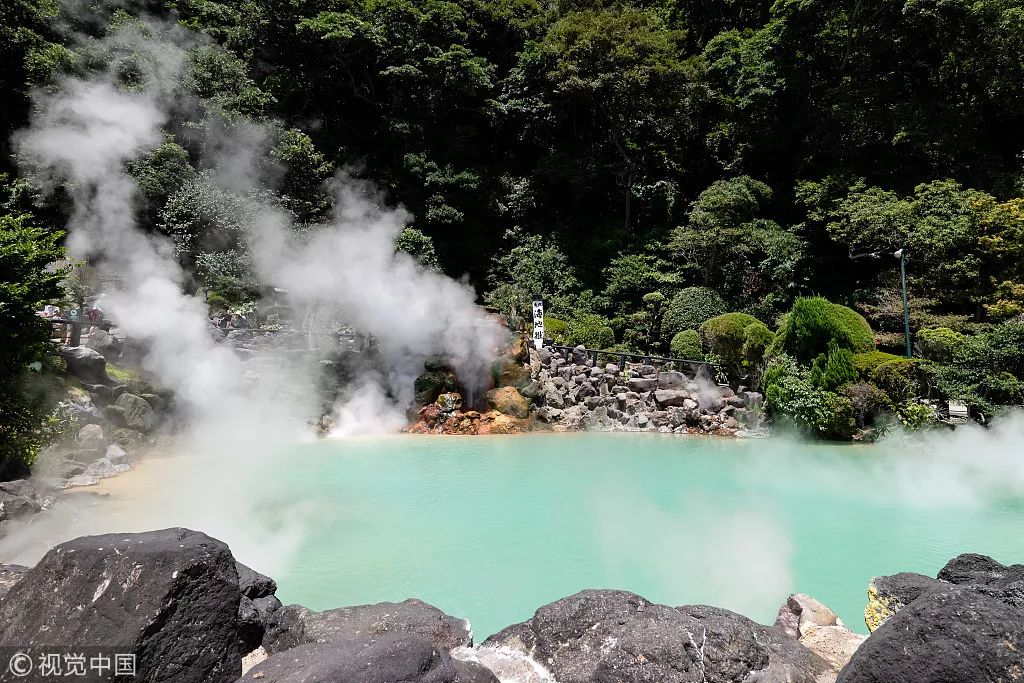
179 602
572 391
111 418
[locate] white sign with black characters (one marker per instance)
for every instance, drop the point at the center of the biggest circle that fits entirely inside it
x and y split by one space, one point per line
538 322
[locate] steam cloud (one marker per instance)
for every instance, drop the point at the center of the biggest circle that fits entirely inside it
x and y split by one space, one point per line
81 135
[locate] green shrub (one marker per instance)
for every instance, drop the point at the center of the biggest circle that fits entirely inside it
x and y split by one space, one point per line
724 335
867 361
914 416
834 370
938 343
688 310
1002 388
686 344
756 340
215 302
815 321
588 329
556 330
899 379
1007 343
791 396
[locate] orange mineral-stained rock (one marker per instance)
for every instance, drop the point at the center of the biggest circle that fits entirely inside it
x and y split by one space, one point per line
509 401
493 422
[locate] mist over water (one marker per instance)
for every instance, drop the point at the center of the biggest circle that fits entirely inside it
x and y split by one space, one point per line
80 137
491 528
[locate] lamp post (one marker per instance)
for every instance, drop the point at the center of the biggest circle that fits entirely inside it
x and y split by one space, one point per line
906 307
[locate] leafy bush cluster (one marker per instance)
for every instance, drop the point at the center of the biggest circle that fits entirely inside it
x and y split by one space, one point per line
26 280
828 381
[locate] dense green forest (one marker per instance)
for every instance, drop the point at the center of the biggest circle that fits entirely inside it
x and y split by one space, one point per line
673 175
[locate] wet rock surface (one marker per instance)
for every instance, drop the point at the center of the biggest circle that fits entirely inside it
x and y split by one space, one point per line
10 574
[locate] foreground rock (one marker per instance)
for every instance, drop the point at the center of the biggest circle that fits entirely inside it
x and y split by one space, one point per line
952 634
819 629
965 626
170 597
987 576
888 594
618 636
85 364
257 608
296 625
388 658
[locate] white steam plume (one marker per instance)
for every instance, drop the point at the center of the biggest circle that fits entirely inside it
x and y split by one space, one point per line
81 135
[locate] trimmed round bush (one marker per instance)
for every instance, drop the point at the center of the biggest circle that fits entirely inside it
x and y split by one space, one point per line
606 337
815 321
867 361
724 335
686 344
688 310
938 343
756 340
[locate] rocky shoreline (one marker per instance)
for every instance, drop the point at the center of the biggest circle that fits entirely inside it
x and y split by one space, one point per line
179 602
556 390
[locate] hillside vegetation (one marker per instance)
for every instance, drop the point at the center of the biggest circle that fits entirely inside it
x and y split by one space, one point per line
729 179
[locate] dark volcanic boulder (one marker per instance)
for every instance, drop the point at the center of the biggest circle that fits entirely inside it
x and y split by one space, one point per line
433 383
295 625
615 636
170 597
888 594
987 576
951 634
257 607
85 364
388 658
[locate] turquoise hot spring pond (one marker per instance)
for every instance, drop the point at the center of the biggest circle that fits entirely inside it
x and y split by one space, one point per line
490 528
